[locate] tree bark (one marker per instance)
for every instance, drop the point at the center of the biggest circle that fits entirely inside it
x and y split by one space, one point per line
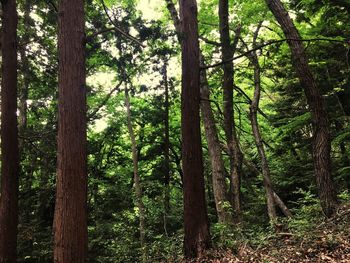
9 136
257 135
236 156
137 183
321 138
260 146
197 237
217 163
70 223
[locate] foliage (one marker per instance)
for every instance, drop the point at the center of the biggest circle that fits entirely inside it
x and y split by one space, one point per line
114 61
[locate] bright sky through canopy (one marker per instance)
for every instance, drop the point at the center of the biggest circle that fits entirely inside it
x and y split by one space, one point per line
149 9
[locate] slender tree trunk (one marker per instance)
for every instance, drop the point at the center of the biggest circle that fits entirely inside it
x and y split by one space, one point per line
70 223
23 107
217 163
277 199
197 237
236 156
281 205
259 144
257 135
9 135
175 17
321 139
271 197
166 150
137 183
23 92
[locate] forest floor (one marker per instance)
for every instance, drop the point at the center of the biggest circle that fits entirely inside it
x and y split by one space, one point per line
327 242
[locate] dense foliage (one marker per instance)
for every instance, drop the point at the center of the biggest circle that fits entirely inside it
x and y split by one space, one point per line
124 49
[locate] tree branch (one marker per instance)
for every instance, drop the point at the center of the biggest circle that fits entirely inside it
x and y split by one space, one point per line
105 100
272 42
128 36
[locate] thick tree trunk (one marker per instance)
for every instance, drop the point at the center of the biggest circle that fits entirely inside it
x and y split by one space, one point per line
137 183
70 223
321 139
9 135
166 149
197 237
217 163
236 156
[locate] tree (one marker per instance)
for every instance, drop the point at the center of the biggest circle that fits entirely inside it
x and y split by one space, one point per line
137 179
321 146
211 133
70 222
166 146
236 156
214 148
197 237
9 135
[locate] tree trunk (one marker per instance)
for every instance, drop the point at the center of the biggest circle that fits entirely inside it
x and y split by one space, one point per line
197 237
236 156
217 163
70 223
166 149
137 183
281 205
321 139
23 92
259 144
257 135
277 199
9 135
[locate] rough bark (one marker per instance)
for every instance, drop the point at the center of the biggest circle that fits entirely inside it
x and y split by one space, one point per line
137 181
197 237
9 135
214 148
70 223
236 156
321 138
